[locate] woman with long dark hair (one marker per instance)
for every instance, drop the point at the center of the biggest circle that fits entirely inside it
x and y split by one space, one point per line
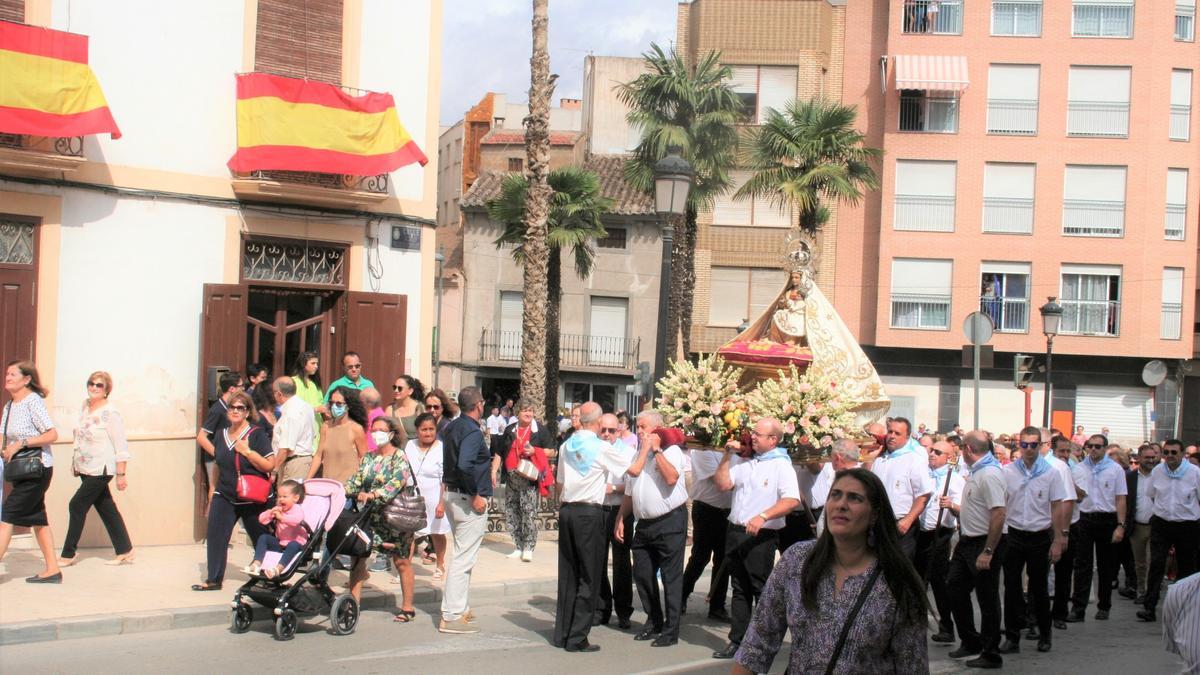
856 564
306 374
343 437
438 404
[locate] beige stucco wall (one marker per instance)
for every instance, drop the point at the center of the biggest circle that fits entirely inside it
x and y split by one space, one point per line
604 122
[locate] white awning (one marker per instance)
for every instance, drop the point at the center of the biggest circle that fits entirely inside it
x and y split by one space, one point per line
932 73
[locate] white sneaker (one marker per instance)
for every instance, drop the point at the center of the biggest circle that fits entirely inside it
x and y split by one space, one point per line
517 553
527 556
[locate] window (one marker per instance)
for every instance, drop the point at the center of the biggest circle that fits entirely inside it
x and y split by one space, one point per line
516 164
741 293
759 212
1091 300
1175 225
1102 18
1008 197
763 87
1098 102
1017 17
1185 20
607 331
615 238
1004 295
1094 201
1171 323
939 17
921 293
924 196
935 112
1013 99
512 312
300 39
1181 104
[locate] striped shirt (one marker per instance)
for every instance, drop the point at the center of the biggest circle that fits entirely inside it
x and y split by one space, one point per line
1181 622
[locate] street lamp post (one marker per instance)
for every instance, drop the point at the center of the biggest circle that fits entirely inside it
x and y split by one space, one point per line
1052 313
673 178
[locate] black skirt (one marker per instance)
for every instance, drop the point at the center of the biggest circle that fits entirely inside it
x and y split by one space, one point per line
26 503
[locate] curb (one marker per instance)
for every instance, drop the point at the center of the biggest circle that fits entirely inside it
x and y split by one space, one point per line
47 630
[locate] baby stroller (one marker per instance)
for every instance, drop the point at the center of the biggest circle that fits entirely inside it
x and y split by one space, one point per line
310 594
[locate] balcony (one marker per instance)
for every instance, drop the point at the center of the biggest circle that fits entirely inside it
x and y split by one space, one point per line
1016 117
320 189
924 213
936 115
1091 317
23 155
1171 323
1175 227
1088 218
1181 120
1097 118
935 17
1007 215
920 311
1110 20
1009 315
574 351
1021 18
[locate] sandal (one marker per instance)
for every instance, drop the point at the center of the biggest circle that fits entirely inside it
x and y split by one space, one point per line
206 586
405 616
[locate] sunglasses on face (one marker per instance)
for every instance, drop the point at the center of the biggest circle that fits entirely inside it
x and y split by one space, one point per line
1028 445
398 387
608 430
1171 453
1094 446
939 453
97 385
434 407
354 366
238 408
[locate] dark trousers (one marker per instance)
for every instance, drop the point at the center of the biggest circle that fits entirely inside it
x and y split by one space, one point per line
1027 552
658 547
1094 545
1062 577
94 491
965 577
796 528
580 566
268 542
222 514
617 595
933 562
908 542
1184 535
709 525
1124 555
750 560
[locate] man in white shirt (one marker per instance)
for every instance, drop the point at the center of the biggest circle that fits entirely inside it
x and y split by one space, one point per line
801 524
1139 509
1181 621
1062 450
764 491
1032 514
1101 526
618 594
1175 490
655 493
937 527
904 471
585 463
495 422
292 437
846 455
710 521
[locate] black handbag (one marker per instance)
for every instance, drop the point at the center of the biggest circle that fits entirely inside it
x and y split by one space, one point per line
25 464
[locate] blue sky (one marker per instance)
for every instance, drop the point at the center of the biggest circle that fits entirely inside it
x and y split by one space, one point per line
486 44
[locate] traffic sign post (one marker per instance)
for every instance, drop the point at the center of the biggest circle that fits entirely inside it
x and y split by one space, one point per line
978 328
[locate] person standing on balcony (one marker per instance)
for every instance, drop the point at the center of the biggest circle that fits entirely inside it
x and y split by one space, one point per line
904 471
524 440
1174 487
1101 528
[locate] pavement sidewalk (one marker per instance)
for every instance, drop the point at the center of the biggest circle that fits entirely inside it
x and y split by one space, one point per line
155 592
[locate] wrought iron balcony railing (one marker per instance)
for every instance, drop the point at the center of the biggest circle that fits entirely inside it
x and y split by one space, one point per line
374 184
1097 118
1009 315
1089 218
1012 116
69 146
1017 17
924 213
1181 120
939 17
1175 227
1091 317
588 351
1171 323
1008 215
932 114
1113 19
920 311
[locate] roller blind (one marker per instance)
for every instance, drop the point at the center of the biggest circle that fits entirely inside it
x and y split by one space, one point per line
300 39
918 177
744 79
1177 180
730 290
511 310
776 86
1106 85
1005 268
1172 285
1095 183
727 210
1012 181
765 284
1092 270
1016 82
923 277
1181 87
609 316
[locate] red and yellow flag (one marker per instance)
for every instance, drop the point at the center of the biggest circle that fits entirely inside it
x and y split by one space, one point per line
46 86
300 125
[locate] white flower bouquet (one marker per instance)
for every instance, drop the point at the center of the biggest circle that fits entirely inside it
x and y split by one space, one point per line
811 409
703 399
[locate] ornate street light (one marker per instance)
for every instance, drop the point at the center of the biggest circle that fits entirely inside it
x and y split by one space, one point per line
673 178
1052 314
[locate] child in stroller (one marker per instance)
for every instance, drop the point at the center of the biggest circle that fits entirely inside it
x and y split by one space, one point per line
289 537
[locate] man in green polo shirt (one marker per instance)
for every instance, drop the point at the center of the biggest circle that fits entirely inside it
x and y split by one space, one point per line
353 378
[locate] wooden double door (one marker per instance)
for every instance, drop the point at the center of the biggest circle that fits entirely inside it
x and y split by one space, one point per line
18 290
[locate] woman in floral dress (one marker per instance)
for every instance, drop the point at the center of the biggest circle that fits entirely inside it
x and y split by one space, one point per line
380 477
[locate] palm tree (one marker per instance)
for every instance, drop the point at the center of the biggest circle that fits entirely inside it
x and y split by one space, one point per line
809 154
537 207
576 207
696 110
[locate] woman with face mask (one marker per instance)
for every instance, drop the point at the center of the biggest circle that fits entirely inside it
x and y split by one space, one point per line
343 437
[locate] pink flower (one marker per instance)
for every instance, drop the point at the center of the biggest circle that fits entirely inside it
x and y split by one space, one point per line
789 428
824 421
715 409
805 387
788 409
811 409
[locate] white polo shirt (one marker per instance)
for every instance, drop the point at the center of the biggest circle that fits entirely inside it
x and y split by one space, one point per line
1029 500
985 490
929 517
294 428
757 485
1144 508
652 497
1102 488
617 480
1176 499
704 467
820 487
586 484
905 477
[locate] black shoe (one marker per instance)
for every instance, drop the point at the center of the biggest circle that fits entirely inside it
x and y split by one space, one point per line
1059 624
664 641
986 662
943 636
55 578
623 623
1010 647
719 614
1043 645
1033 634
647 633
1102 615
727 653
586 647
964 651
600 620
1076 616
1146 615
1127 592
1139 600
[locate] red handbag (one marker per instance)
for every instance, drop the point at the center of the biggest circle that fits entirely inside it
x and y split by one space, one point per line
250 488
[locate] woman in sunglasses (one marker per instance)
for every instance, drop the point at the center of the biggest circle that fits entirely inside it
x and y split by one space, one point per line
241 449
101 453
438 404
408 396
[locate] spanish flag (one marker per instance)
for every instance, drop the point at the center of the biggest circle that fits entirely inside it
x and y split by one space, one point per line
301 125
46 86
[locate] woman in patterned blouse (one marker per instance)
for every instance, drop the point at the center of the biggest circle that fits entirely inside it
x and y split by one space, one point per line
815 586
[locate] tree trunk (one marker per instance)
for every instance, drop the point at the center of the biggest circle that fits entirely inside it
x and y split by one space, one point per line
537 208
553 325
687 280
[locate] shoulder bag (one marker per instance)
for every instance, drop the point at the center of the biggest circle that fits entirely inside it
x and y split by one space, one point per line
25 464
406 512
250 488
862 598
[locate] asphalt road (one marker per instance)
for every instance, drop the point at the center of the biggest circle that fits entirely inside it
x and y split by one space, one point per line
515 639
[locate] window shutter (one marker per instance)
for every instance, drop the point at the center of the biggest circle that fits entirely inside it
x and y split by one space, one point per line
1177 180
1013 82
933 179
1107 85
300 39
728 297
1181 87
1094 183
1091 270
727 210
511 310
1172 285
1008 181
12 10
744 79
609 316
921 277
1005 268
765 284
776 86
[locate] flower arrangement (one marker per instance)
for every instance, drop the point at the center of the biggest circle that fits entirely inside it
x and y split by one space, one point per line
703 399
810 408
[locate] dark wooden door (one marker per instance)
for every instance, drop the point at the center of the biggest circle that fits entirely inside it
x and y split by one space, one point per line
283 323
375 327
18 290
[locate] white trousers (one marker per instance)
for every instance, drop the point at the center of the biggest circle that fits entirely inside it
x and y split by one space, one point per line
466 528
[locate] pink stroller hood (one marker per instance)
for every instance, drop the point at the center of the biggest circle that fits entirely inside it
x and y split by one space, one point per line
323 501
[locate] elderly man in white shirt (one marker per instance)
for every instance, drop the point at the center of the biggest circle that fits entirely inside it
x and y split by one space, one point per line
618 594
1175 489
937 528
1101 527
292 437
904 471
